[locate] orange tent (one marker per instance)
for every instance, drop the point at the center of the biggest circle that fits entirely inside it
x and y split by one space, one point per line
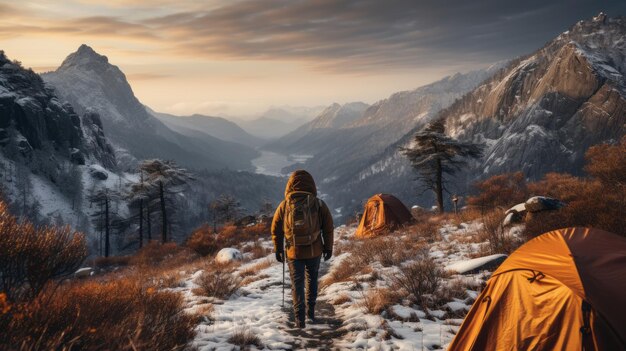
563 290
382 213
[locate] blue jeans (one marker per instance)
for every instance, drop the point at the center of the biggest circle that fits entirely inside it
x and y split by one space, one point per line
304 272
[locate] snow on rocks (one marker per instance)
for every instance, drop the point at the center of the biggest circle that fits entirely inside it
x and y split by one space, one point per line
227 255
476 264
83 272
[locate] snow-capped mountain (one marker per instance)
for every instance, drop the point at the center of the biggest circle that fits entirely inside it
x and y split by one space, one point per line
539 114
87 80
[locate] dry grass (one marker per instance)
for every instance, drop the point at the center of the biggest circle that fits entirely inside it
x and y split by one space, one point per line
387 250
156 254
255 269
244 338
343 298
219 282
345 271
377 300
116 314
257 250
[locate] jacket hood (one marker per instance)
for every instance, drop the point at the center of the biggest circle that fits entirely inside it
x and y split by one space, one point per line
300 180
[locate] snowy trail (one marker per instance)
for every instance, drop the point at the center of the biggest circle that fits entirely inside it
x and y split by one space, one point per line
256 309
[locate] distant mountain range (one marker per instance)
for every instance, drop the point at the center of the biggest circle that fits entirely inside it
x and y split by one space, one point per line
278 121
198 126
89 82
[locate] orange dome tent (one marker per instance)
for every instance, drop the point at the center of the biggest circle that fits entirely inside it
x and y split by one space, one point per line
382 213
563 290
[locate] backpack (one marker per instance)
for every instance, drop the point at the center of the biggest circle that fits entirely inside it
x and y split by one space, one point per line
302 223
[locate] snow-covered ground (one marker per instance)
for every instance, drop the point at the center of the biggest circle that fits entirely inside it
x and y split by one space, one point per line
343 323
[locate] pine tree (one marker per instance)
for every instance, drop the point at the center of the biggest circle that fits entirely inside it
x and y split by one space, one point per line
105 216
139 197
434 155
168 178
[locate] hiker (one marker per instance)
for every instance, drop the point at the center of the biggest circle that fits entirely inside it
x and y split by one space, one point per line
303 226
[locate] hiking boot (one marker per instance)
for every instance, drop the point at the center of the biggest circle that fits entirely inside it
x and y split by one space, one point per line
300 324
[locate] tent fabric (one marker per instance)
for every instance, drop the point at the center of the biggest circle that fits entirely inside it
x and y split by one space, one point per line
534 300
382 213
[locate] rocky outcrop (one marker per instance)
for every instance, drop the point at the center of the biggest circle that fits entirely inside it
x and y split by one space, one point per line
32 115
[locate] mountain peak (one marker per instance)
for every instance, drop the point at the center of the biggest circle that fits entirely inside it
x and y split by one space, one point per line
85 55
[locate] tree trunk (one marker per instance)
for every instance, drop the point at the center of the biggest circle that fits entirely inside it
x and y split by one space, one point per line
163 214
149 222
106 228
439 186
140 223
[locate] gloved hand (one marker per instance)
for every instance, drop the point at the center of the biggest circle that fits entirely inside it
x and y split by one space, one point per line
280 256
327 255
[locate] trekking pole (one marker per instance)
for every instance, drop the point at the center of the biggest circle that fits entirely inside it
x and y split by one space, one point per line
284 256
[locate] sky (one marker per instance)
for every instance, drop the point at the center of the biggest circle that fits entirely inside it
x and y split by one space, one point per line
237 58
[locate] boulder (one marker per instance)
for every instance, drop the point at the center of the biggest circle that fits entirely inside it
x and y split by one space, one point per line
83 272
227 255
543 203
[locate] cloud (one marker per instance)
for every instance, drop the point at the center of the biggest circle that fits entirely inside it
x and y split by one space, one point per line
146 76
335 35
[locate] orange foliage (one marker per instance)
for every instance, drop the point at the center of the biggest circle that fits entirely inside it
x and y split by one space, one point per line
203 241
32 257
504 190
158 254
119 314
598 202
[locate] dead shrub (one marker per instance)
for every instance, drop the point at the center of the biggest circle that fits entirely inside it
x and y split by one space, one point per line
456 289
377 300
345 271
244 338
203 241
219 282
257 250
427 229
387 250
32 257
419 278
499 240
119 314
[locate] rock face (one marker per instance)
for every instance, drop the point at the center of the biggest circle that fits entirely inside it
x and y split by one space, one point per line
91 84
543 112
31 115
539 114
